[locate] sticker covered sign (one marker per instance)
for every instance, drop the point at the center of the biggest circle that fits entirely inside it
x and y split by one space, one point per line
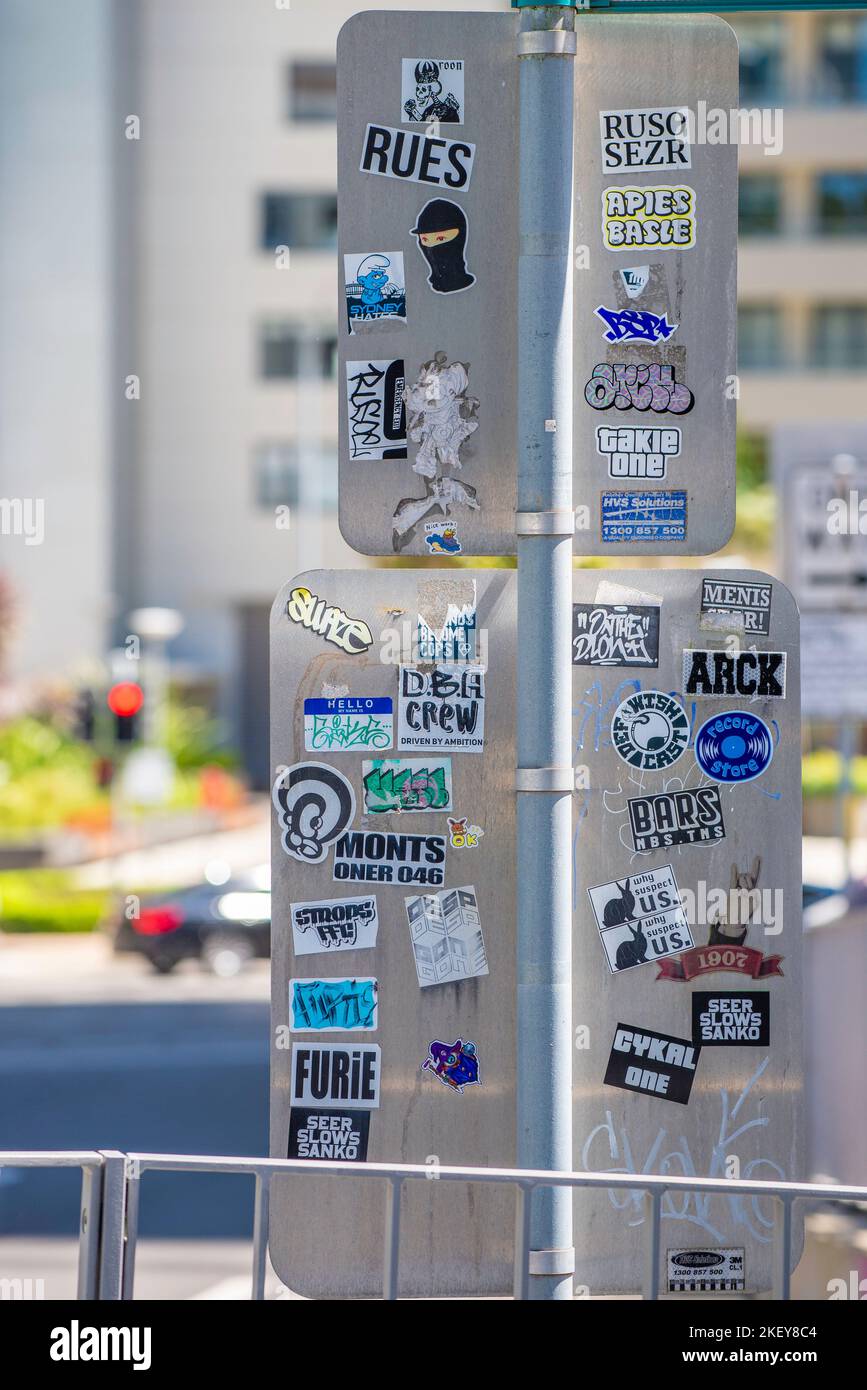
442 708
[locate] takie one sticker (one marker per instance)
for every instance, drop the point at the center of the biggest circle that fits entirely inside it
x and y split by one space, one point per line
638 451
375 288
640 919
333 1134
432 89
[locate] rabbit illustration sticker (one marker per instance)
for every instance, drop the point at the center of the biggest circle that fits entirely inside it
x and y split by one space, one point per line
640 919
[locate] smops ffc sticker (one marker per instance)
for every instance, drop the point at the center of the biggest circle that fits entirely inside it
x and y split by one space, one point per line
731 1019
707 1270
334 924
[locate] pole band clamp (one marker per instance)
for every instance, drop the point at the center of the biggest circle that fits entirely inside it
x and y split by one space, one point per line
557 523
547 43
544 779
553 1261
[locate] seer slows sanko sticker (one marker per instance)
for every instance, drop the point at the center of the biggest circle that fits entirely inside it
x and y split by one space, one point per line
653 1063
332 1076
731 1020
335 1134
334 924
641 919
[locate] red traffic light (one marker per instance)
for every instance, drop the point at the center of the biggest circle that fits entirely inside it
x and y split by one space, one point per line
125 699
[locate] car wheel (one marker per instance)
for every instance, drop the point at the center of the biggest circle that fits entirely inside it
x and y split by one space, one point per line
164 965
227 955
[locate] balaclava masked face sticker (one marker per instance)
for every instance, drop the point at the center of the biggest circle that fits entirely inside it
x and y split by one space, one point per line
441 229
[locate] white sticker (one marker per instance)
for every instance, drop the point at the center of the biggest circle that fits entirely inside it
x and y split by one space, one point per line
650 137
431 89
331 1076
635 279
334 924
637 451
415 157
446 933
442 708
640 919
708 1269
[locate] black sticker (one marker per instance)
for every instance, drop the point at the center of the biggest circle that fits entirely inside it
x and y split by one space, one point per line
732 1019
615 634
653 1063
335 1134
758 674
676 818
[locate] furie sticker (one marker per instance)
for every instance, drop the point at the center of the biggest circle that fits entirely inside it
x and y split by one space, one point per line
648 137
333 1076
747 606
441 234
374 857
635 325
633 451
445 930
640 920
417 158
455 1064
314 804
337 1134
760 675
649 730
661 219
731 1020
351 635
432 89
375 287
676 818
653 1063
615 634
333 1006
718 1270
407 784
377 413
348 723
442 709
334 924
734 747
633 518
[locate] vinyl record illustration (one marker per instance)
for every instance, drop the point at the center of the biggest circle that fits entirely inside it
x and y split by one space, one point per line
734 747
315 805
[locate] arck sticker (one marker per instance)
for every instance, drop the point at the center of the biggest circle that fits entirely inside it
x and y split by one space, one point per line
441 233
407 784
315 804
454 1064
759 675
717 1270
731 1020
633 386
377 415
375 288
745 606
332 1006
637 451
334 924
417 158
649 730
615 634
432 89
676 818
377 857
341 1135
351 635
442 708
446 934
635 326
661 219
640 919
347 723
652 1063
332 1076
651 137
634 518
734 747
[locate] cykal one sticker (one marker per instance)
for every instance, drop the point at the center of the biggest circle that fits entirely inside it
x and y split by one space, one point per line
315 804
375 287
654 1063
635 279
442 708
377 414
337 1134
638 517
432 89
719 1270
332 1006
641 919
348 723
615 634
407 784
661 219
649 730
374 857
446 934
746 605
635 325
441 232
651 137
734 747
759 675
334 924
351 635
731 1020
333 1076
633 386
676 818
637 451
454 1064
417 158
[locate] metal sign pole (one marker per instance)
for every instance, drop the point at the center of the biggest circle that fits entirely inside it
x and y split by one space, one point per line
544 526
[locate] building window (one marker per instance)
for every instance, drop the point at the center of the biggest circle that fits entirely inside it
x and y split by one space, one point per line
275 469
312 91
760 41
840 336
760 337
843 59
301 221
278 470
759 205
291 352
278 351
841 204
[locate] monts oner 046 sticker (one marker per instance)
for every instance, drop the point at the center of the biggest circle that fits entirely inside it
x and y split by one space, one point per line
746 606
637 517
734 747
417 158
637 451
634 326
446 934
660 219
442 709
334 924
731 1020
717 1270
760 675
351 635
432 89
333 1006
455 1064
441 233
335 1134
375 287
727 933
348 724
637 386
654 1063
615 634
649 730
650 137
315 804
375 405
676 818
333 1076
641 919
374 857
407 784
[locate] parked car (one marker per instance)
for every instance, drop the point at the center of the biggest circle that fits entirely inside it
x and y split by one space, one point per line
224 925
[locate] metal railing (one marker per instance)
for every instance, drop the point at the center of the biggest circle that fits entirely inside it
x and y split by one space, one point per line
111 1189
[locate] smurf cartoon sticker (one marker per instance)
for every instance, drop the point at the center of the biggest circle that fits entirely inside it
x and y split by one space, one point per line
375 288
454 1064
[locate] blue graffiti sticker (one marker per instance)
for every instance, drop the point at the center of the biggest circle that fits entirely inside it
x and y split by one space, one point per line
454 1064
635 326
375 287
734 747
630 517
332 1006
348 723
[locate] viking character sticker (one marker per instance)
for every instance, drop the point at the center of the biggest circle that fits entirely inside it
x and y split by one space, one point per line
432 89
441 229
315 804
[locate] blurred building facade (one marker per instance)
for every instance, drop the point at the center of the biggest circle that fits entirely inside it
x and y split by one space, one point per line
167 348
